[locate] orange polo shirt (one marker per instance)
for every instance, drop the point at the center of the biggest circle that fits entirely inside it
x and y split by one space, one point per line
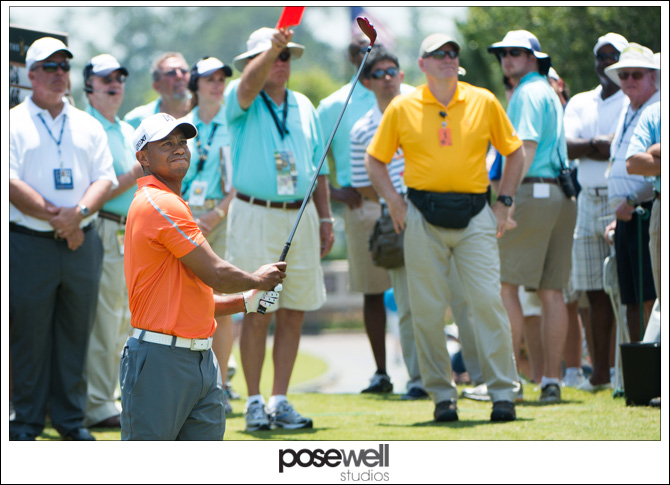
165 296
474 117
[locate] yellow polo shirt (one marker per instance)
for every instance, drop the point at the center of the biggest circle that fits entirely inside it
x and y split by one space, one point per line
412 122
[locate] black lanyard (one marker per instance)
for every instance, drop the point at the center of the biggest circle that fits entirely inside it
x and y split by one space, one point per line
203 153
60 138
283 131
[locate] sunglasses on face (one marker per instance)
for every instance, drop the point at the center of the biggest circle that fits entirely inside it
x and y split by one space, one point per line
381 73
284 56
356 51
512 52
121 78
442 54
603 57
53 66
173 72
637 75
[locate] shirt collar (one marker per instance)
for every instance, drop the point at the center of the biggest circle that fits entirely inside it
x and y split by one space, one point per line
106 124
35 110
219 117
458 97
152 180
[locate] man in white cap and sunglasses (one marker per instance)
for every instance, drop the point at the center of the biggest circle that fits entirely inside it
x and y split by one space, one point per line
61 172
276 146
171 387
590 121
448 220
537 253
104 84
638 75
170 77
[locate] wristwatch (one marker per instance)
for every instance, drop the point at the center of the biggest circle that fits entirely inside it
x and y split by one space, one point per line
84 210
506 200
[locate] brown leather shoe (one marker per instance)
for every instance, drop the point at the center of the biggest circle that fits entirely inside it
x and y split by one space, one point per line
111 422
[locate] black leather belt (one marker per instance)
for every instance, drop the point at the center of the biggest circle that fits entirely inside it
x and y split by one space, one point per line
296 204
112 217
45 234
539 180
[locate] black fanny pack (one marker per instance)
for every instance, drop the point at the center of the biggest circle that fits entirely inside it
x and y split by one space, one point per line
450 210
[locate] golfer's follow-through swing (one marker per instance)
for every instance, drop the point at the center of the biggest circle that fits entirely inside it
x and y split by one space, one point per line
369 30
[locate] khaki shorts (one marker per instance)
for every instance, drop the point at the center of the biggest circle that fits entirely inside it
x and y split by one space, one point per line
364 276
217 236
257 236
537 253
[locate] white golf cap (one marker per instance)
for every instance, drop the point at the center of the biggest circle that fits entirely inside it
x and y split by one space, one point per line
208 66
635 55
617 41
520 38
261 41
552 74
158 126
434 42
43 48
105 64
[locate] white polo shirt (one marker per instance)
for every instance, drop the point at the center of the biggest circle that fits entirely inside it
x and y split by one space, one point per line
588 115
34 156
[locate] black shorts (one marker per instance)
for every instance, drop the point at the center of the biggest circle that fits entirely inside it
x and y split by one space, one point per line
626 245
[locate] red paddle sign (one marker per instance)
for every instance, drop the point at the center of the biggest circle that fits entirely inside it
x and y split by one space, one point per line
290 16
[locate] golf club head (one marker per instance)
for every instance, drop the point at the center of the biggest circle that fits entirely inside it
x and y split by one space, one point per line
368 29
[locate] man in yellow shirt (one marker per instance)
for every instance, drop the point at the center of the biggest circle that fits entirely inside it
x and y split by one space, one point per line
444 128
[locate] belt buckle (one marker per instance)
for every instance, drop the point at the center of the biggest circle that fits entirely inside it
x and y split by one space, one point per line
57 237
199 344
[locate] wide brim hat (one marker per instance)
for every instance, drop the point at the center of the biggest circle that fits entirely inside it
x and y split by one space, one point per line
43 48
158 126
635 55
261 41
524 40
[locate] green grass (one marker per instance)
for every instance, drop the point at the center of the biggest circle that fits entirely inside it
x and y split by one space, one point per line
581 416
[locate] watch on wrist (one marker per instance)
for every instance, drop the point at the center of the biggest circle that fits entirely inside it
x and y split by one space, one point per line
506 200
84 210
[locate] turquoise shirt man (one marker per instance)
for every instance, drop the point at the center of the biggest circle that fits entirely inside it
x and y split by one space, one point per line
212 141
135 116
647 133
119 136
536 113
255 139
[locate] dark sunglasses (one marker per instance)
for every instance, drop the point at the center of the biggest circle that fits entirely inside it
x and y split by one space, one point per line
512 52
355 51
121 78
173 72
603 57
53 66
637 75
284 56
381 73
442 54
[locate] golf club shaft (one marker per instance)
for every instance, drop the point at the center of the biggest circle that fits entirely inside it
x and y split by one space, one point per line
287 246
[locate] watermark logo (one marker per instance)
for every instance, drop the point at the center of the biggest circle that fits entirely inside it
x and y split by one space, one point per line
369 458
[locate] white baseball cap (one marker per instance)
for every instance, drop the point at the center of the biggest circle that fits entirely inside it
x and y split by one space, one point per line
634 55
43 48
158 126
208 66
261 41
617 41
105 64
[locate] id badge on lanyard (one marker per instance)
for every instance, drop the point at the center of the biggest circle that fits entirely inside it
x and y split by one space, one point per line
287 174
63 179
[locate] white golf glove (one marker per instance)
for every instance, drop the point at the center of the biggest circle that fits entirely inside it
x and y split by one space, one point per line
267 299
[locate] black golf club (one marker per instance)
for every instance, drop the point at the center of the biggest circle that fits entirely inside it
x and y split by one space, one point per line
370 32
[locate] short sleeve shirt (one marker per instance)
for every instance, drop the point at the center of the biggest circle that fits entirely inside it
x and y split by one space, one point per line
647 133
164 294
412 122
255 140
137 115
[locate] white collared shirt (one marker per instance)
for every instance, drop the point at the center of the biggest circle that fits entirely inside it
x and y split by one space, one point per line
34 155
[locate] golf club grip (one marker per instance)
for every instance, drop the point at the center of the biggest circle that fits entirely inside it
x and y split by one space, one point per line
282 258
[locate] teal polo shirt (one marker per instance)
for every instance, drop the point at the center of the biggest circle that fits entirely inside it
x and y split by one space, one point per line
216 154
254 138
537 115
137 115
647 133
120 141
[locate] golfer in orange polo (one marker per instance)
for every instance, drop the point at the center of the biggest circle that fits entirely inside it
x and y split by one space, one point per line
171 387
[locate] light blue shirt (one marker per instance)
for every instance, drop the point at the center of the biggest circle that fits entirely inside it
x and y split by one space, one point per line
137 115
537 115
120 141
217 155
647 133
254 139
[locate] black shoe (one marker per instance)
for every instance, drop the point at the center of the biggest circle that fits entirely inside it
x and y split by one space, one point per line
413 394
503 411
380 383
655 402
111 422
446 411
79 434
22 437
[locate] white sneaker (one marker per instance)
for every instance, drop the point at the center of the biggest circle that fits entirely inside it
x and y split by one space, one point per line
587 386
256 417
284 416
481 393
574 379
